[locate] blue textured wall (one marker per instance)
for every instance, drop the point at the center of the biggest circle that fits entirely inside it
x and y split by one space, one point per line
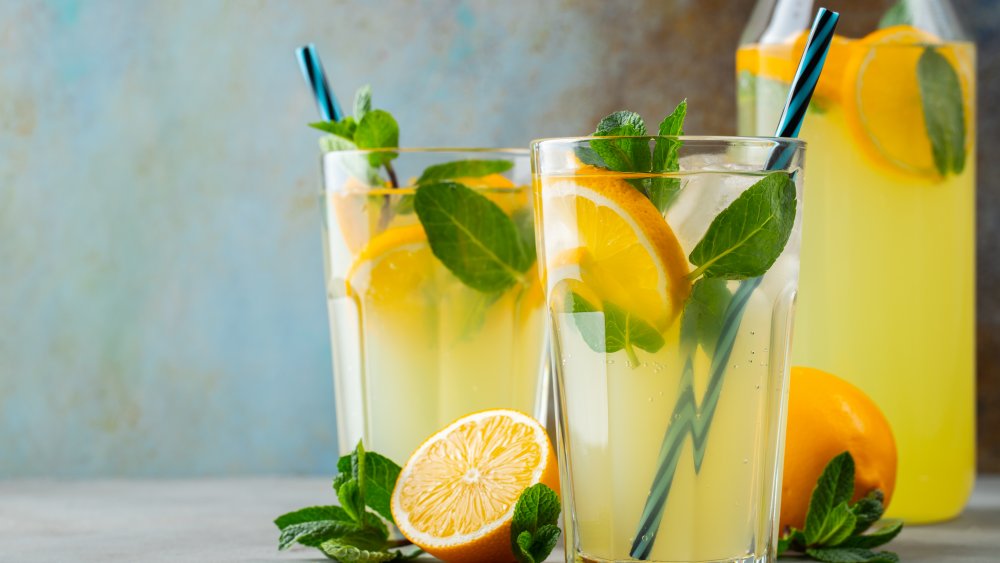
160 260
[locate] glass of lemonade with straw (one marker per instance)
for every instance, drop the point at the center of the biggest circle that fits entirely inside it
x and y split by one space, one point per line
671 295
435 303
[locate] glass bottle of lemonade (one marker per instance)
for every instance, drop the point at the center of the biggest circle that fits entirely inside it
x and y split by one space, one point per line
888 256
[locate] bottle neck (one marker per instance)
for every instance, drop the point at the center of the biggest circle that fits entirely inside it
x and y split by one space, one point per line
774 21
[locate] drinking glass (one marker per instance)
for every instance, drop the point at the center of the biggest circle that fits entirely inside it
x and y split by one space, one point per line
671 370
415 346
888 271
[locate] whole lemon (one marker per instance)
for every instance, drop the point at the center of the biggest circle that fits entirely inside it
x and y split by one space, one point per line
827 416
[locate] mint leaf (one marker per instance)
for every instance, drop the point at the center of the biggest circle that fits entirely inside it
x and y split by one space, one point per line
524 221
882 536
897 14
362 102
380 474
349 495
836 527
588 156
851 555
623 155
591 326
704 311
673 124
311 514
666 158
794 540
944 111
338 551
333 143
378 129
745 239
344 128
624 330
463 169
621 330
868 510
472 236
533 530
358 470
315 533
833 489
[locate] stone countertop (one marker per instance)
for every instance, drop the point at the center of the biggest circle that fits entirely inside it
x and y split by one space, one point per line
229 519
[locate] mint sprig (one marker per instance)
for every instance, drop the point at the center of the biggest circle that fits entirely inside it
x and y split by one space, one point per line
631 153
533 530
470 235
366 129
944 111
473 237
355 531
834 527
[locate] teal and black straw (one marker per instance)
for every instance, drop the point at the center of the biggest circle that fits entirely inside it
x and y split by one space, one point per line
804 83
312 71
690 417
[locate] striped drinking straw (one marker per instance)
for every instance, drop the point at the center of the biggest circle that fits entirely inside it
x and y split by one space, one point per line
312 71
687 416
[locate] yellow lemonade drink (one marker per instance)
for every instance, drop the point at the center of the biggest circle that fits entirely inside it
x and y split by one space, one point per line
888 251
670 375
415 347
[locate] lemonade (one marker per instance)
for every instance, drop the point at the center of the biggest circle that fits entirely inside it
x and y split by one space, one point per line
670 360
415 347
888 254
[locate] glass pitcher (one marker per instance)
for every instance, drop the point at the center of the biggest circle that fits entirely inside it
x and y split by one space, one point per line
888 257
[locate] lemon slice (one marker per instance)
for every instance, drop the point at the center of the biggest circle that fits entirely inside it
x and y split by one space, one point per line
624 250
881 96
393 268
455 496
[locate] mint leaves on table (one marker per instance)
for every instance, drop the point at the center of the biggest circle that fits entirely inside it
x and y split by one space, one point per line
473 237
834 527
350 533
944 111
620 329
748 236
533 530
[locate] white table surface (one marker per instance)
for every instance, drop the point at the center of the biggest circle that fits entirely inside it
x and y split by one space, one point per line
230 520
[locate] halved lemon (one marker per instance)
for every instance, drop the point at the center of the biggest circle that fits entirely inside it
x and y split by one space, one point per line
455 496
625 251
881 96
393 268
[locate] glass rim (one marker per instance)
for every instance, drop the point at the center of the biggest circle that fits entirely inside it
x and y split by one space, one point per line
703 139
436 150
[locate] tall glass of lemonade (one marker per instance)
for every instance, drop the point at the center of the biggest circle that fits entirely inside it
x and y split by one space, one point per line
671 297
435 303
888 251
